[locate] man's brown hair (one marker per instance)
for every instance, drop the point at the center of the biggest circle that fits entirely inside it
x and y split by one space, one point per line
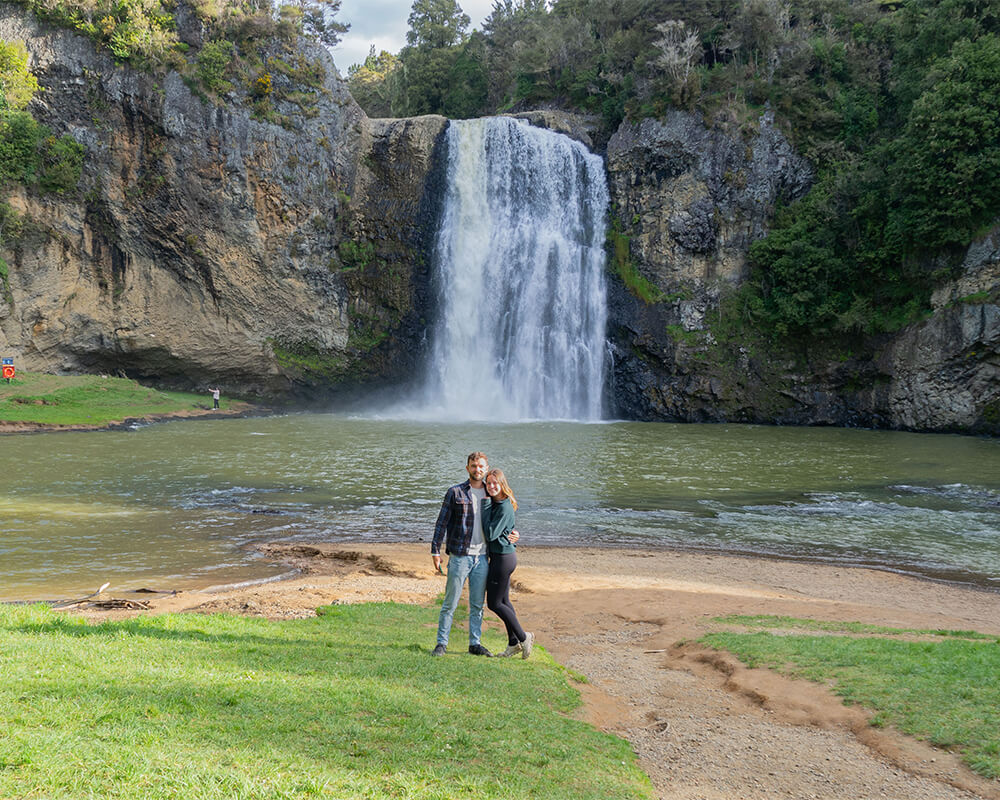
476 456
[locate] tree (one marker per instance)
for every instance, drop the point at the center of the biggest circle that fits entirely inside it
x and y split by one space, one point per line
948 168
17 84
467 95
318 19
508 13
427 73
436 23
511 30
680 49
373 84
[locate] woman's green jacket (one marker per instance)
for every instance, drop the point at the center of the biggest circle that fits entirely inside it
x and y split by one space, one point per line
498 521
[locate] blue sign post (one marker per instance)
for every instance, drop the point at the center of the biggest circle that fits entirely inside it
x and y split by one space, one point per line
8 368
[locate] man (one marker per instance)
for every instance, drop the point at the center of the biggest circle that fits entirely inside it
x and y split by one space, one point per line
459 525
215 396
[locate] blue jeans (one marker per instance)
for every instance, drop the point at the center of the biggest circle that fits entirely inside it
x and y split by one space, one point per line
462 568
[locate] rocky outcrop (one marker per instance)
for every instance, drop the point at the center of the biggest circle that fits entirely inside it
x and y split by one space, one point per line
692 199
207 246
687 203
582 128
944 373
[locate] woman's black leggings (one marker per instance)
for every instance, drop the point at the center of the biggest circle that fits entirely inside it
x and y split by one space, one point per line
498 594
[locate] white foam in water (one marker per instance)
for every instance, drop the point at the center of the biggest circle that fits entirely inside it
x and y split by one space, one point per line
520 269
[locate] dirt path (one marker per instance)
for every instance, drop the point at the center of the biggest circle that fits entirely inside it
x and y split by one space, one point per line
703 726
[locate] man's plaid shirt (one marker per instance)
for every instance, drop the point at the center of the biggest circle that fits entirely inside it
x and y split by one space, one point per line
455 522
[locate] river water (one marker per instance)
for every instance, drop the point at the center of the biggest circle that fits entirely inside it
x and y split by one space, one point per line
181 504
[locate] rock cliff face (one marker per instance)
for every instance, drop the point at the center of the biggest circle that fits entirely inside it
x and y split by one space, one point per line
687 203
692 199
205 246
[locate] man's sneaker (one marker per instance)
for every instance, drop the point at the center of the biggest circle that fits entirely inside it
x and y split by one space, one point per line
527 644
479 650
512 650
440 650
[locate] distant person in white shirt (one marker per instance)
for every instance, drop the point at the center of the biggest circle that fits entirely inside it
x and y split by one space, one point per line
215 397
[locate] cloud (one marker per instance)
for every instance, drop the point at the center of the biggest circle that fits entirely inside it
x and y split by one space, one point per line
383 23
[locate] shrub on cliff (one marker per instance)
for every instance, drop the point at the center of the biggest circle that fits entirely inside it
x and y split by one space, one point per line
133 30
213 63
31 155
17 84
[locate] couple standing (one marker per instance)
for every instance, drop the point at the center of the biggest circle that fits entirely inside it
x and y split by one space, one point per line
477 525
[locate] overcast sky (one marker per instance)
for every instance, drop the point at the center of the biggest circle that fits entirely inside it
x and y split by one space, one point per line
383 23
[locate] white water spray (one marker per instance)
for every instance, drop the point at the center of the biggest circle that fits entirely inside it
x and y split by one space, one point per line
520 267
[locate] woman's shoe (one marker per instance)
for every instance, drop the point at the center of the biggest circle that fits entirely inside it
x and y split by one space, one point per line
527 644
512 650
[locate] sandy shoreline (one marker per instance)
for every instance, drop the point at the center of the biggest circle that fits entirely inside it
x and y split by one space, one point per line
703 726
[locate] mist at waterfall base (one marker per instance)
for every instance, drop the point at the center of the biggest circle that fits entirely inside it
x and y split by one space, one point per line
519 279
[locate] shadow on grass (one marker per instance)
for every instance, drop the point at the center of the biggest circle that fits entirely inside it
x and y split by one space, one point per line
323 636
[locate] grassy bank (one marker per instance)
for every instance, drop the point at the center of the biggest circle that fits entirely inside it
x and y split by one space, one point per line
345 705
88 400
940 686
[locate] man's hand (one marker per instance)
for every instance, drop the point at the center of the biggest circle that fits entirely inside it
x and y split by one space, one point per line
436 558
513 536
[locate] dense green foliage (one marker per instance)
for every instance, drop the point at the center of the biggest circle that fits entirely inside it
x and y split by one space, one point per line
345 705
943 691
896 104
17 84
29 153
901 193
137 30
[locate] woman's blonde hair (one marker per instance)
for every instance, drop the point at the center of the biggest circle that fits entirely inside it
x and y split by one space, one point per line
504 486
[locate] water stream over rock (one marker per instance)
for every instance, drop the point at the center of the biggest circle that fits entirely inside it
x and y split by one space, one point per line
520 269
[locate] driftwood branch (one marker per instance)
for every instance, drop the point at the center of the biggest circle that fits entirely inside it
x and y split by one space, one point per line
96 601
71 603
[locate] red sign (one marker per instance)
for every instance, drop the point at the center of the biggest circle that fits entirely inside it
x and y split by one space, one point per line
8 371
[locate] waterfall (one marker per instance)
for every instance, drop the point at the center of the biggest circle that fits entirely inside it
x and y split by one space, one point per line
519 262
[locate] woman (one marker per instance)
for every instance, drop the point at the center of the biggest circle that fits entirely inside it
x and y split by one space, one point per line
498 522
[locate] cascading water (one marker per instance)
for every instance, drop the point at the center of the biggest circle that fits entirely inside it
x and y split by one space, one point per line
520 264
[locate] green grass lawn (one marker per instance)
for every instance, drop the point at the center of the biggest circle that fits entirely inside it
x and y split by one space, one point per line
945 690
345 705
88 399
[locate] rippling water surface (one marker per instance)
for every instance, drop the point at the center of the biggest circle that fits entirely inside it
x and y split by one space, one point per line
179 504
